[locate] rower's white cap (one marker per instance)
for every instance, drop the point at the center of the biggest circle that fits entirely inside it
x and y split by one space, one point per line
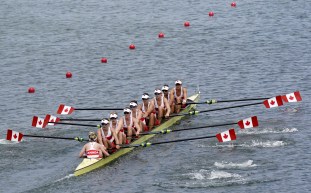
145 96
133 104
165 87
113 115
178 82
157 91
126 109
104 121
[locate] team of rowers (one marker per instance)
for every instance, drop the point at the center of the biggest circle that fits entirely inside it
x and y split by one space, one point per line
137 118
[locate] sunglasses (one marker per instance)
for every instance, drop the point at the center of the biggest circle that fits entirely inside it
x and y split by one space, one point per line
157 93
126 113
132 107
177 84
144 99
113 118
164 90
104 124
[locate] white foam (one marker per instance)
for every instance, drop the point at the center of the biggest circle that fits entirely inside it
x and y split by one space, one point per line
267 130
256 143
222 174
245 164
64 178
7 142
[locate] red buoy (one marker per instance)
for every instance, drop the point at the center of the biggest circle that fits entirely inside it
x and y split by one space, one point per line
132 46
211 14
68 75
187 24
233 4
104 60
31 90
161 35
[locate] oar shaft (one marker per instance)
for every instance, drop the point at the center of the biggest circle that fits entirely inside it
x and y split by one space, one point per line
66 138
80 119
180 140
210 110
239 100
77 124
97 109
201 127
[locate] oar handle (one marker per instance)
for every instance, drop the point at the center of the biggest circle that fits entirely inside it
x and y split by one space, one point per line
80 139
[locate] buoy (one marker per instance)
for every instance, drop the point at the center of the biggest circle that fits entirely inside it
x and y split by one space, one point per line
31 90
132 46
161 35
211 14
104 60
68 75
233 4
187 24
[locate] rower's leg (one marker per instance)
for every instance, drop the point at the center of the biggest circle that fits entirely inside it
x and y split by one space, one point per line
151 121
177 107
172 108
160 114
129 134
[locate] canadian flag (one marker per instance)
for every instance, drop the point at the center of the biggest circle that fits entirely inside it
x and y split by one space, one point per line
65 110
39 122
292 97
13 135
226 136
273 102
51 118
248 123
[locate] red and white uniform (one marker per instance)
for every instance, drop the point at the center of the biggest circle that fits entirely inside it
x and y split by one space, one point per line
92 153
156 106
109 135
125 125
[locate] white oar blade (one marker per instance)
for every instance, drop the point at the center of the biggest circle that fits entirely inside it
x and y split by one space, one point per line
39 122
248 123
273 102
292 97
64 110
226 136
51 119
14 136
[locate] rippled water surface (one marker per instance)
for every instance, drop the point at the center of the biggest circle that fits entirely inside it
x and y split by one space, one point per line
257 49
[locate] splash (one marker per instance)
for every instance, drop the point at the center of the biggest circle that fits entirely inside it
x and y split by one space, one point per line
256 143
222 174
268 130
64 178
6 142
246 164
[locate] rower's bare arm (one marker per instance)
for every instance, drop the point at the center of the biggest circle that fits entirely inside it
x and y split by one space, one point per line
103 149
151 107
171 97
168 108
82 152
99 138
120 125
116 139
185 95
137 126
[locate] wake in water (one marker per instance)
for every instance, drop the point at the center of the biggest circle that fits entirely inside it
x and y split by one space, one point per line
6 142
267 131
211 175
253 143
64 178
230 165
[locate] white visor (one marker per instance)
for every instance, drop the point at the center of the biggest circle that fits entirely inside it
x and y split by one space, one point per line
145 96
133 104
165 88
127 110
104 121
178 82
113 116
157 91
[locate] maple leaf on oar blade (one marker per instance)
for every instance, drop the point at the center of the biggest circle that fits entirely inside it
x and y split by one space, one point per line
225 136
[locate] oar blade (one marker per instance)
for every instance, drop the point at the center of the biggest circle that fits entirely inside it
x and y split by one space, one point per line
14 136
292 97
273 102
248 122
225 136
65 110
39 122
51 119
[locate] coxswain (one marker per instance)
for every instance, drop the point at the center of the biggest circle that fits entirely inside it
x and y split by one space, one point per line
178 95
147 107
92 149
107 136
161 105
129 125
138 114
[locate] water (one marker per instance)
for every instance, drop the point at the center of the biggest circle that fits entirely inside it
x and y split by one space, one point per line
258 49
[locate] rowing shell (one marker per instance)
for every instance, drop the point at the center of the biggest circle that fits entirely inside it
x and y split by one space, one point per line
88 165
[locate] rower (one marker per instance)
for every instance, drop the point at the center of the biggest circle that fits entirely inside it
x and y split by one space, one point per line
114 122
92 149
178 95
147 107
129 124
161 105
138 114
107 136
166 94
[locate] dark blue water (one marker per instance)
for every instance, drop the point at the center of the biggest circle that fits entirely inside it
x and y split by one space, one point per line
258 49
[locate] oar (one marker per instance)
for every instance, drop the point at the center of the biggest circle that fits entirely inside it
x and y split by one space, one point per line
244 123
77 124
66 110
213 101
222 137
17 136
80 120
210 110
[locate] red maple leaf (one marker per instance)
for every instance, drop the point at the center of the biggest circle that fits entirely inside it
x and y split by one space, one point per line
291 98
247 123
66 110
40 122
225 136
272 102
52 120
15 136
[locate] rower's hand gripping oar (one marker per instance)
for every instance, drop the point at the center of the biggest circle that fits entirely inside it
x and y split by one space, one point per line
67 110
225 136
17 136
